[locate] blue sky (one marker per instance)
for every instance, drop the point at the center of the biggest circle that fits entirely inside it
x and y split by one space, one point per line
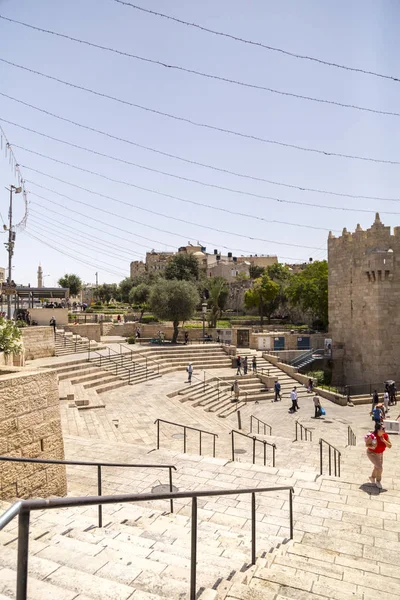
360 34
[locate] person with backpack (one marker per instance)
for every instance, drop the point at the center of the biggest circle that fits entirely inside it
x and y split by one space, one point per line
376 443
317 406
189 372
277 389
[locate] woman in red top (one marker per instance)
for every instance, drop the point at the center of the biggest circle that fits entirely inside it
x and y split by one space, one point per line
375 455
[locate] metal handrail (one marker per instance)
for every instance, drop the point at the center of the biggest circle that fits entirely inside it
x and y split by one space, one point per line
113 362
254 440
336 458
185 428
252 417
303 429
23 509
54 461
351 437
143 355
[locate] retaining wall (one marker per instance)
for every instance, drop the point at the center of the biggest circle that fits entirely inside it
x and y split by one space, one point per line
38 342
88 330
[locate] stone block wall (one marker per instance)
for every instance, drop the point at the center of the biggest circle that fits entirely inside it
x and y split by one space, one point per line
151 330
30 426
38 342
88 330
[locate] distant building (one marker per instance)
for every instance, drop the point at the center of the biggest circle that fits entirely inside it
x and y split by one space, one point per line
157 261
40 277
261 260
2 275
137 267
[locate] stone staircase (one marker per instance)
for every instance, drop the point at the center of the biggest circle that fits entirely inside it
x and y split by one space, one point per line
167 358
67 342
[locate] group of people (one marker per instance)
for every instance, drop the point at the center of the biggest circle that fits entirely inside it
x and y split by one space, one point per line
243 363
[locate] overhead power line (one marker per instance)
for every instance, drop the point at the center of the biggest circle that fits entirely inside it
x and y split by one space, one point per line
125 218
301 188
259 44
204 75
74 256
202 125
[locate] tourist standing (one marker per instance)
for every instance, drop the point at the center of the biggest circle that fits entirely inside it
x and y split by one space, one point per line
317 406
392 393
277 388
375 454
138 333
53 324
186 337
310 386
245 365
119 319
236 390
294 397
254 363
190 372
386 401
377 414
239 366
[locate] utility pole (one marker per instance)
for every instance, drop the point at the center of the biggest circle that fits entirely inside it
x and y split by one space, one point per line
97 278
10 246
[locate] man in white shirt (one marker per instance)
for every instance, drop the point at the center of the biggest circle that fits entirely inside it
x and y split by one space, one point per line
386 401
293 397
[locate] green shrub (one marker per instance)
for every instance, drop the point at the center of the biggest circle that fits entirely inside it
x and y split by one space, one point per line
149 319
131 340
21 323
89 310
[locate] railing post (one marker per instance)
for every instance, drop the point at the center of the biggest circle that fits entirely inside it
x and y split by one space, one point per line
233 445
265 453
254 450
89 352
339 464
171 489
253 528
296 432
330 459
200 443
193 550
158 434
214 446
251 423
239 417
320 457
273 455
22 564
184 440
291 512
99 493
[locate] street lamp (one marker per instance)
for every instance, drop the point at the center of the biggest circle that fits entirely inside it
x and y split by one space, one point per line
204 311
10 245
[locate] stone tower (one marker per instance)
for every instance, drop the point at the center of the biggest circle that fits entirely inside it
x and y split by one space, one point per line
40 277
364 304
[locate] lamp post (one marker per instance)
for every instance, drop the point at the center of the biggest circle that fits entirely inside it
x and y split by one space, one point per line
204 311
10 246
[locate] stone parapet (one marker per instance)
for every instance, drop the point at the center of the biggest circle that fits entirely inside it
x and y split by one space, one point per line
30 427
38 342
88 330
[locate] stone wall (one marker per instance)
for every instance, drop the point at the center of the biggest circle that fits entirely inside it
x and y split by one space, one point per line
151 330
43 315
30 426
38 342
88 330
364 314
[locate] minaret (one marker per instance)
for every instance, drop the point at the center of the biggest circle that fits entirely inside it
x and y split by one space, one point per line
40 277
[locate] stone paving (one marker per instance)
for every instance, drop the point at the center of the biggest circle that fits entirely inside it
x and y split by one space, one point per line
346 541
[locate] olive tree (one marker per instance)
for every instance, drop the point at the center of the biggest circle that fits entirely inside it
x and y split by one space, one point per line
174 301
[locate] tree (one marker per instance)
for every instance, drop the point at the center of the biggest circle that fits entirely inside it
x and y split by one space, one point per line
184 267
282 275
255 271
262 296
124 289
308 289
105 292
218 293
139 295
71 281
174 301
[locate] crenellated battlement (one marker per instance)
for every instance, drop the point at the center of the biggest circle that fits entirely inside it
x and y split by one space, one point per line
377 236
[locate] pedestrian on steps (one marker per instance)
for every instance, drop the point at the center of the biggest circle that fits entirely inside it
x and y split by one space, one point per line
317 406
189 372
375 454
53 324
239 366
293 396
245 365
254 363
236 391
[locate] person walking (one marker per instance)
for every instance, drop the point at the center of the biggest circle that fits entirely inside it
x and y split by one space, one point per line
377 414
53 324
245 365
236 390
310 386
375 454
239 366
138 333
189 372
186 337
386 401
254 364
293 396
277 389
317 406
